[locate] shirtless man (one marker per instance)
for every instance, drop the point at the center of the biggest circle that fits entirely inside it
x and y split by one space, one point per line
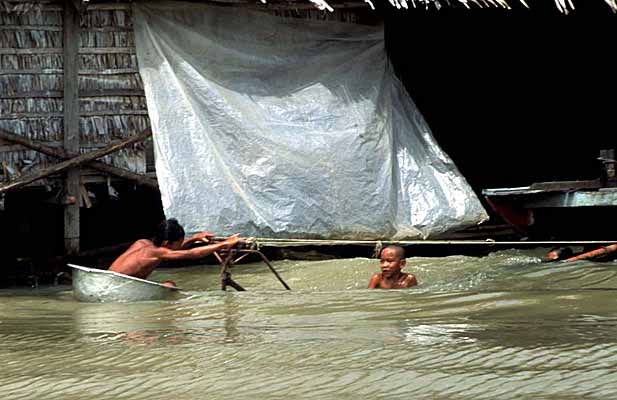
168 244
391 277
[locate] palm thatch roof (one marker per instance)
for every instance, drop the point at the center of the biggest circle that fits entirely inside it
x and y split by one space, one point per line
565 6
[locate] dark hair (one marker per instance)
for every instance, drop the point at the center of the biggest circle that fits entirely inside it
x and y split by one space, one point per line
561 252
169 230
398 250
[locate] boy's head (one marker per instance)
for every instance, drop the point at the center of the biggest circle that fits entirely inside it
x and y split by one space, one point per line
392 260
169 234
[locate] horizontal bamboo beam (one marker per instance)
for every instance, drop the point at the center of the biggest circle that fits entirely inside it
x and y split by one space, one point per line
33 71
51 28
111 92
110 71
25 115
60 71
45 94
108 7
82 93
108 29
58 50
107 50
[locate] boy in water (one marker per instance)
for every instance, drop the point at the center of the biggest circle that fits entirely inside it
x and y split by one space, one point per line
391 261
168 244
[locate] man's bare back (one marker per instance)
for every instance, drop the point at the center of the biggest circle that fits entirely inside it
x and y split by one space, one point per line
137 260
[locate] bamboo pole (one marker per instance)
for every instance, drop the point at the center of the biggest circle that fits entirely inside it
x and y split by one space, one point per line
60 153
73 162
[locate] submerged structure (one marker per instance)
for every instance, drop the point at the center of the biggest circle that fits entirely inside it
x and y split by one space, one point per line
583 208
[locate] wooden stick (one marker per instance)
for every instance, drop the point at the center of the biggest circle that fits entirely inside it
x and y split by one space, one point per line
60 153
84 196
73 162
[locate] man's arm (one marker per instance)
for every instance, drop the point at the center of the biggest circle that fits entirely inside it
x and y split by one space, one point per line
195 238
374 282
198 252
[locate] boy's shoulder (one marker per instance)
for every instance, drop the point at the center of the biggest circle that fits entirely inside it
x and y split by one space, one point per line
410 279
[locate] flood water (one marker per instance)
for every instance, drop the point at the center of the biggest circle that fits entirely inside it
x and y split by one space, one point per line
502 326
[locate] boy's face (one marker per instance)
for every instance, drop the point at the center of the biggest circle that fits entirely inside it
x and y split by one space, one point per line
390 263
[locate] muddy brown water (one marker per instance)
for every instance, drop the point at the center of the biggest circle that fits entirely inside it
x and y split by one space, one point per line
503 326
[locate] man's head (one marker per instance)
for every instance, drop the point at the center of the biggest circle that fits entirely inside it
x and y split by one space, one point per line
169 234
558 253
392 260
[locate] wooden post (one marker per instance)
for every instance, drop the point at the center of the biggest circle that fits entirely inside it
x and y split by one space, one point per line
71 124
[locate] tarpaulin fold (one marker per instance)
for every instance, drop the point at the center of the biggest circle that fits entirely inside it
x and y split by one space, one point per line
284 127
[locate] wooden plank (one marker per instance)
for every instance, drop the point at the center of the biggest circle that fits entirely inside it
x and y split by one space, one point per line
82 94
108 29
36 71
84 196
566 186
55 145
115 71
58 50
107 50
38 50
27 115
74 162
71 125
112 92
45 94
59 71
112 113
108 7
51 28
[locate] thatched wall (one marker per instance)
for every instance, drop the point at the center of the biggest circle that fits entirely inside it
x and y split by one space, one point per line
112 104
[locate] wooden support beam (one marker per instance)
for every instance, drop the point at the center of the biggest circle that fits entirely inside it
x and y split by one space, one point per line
74 162
26 115
59 71
60 153
85 198
71 124
83 93
58 50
